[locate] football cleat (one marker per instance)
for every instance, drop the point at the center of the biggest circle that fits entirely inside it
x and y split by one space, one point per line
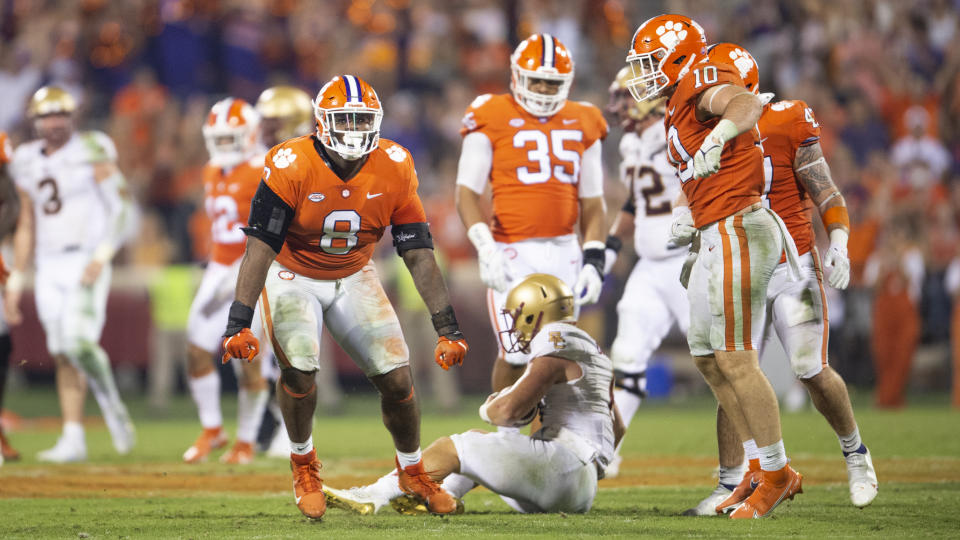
209 440
7 452
410 505
862 477
307 484
64 452
121 427
708 506
775 487
751 479
358 500
417 482
240 454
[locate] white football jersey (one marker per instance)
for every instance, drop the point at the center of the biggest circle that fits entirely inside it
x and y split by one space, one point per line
581 406
69 212
654 186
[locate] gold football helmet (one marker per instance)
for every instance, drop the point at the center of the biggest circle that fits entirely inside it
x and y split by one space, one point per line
538 300
51 100
287 112
629 111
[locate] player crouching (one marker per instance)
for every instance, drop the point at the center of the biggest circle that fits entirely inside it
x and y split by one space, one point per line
568 382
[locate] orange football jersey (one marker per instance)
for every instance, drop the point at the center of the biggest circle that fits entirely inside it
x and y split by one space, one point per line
227 199
739 182
784 127
337 223
536 163
6 149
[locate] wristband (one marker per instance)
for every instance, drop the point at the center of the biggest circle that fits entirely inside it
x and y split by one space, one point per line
103 253
614 243
240 317
445 323
724 131
593 254
480 235
836 217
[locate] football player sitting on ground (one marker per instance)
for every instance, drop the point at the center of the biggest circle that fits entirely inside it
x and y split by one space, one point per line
322 205
568 383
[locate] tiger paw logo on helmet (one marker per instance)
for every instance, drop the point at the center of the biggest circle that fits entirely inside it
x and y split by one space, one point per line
742 61
284 158
671 33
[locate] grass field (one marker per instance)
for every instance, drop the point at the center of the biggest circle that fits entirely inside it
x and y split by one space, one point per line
669 460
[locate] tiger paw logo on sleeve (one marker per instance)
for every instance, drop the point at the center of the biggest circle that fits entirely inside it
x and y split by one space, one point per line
284 158
396 153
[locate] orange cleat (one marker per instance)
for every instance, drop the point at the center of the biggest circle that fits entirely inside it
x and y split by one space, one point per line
751 479
307 484
211 439
774 488
417 482
240 454
9 453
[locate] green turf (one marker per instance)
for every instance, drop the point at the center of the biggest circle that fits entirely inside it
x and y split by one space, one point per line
921 435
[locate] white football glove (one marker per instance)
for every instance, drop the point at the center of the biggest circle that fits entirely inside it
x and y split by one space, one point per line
492 264
707 159
682 229
588 287
836 258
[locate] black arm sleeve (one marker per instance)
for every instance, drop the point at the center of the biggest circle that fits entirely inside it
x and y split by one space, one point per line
270 217
411 236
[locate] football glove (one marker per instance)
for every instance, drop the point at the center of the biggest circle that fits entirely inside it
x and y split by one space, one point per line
707 159
450 351
243 344
837 259
682 229
492 264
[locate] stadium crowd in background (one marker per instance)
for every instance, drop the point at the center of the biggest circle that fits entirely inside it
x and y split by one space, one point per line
883 75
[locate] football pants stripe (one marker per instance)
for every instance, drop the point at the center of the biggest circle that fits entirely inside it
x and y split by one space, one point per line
729 319
268 326
745 284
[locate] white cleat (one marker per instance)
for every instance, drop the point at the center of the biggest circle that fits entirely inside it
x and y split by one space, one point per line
613 469
121 428
64 452
279 445
862 477
356 499
708 506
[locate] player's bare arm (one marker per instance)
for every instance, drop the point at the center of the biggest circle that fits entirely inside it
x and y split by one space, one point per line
22 253
593 215
813 172
470 206
516 405
730 102
10 210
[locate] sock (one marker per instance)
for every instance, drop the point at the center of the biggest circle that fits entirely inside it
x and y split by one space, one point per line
852 443
73 431
301 448
407 459
730 477
386 487
250 406
206 394
750 450
628 403
457 485
773 457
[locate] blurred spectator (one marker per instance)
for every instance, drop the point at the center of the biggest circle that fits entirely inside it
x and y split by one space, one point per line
921 157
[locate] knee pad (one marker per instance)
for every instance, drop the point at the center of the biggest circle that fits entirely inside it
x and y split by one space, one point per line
635 383
296 333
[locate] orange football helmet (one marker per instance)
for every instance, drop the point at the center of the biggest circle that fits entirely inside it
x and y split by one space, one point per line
537 59
661 53
348 114
733 55
231 132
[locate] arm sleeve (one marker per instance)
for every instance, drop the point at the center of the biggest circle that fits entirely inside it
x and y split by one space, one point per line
591 173
476 160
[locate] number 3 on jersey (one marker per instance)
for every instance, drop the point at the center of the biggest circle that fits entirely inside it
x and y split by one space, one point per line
540 154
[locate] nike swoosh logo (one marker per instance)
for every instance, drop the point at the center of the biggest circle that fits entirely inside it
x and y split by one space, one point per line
568 121
674 108
373 195
763 139
753 484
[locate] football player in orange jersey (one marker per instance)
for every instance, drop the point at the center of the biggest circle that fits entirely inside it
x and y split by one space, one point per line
229 181
9 212
540 153
711 119
795 171
322 205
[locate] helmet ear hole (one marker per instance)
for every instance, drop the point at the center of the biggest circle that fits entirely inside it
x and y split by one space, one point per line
528 319
680 60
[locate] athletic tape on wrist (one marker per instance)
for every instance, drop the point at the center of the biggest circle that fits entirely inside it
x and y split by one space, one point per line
445 321
836 216
240 317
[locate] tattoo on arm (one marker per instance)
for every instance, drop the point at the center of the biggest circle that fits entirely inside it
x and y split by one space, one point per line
427 278
814 174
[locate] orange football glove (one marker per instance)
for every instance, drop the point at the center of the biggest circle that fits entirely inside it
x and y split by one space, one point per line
243 344
450 351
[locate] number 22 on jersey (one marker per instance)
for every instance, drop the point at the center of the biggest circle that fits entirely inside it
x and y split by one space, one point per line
541 153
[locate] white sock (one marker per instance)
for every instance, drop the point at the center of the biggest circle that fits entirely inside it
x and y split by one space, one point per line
206 394
773 457
250 407
457 485
730 477
73 432
628 403
851 443
750 450
301 448
407 459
